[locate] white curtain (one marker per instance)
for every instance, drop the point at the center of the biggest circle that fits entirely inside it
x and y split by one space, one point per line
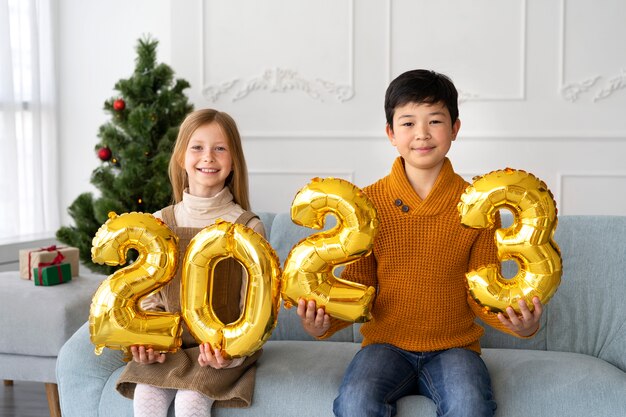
28 132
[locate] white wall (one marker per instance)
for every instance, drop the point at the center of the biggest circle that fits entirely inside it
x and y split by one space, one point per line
96 48
542 84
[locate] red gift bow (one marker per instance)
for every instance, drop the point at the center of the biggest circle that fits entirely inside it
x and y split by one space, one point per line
56 261
48 249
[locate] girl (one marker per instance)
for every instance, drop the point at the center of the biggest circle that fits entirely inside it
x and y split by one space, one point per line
209 181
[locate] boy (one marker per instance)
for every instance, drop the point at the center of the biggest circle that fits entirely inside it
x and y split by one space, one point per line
422 338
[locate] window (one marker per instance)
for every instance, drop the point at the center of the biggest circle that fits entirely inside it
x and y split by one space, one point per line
28 161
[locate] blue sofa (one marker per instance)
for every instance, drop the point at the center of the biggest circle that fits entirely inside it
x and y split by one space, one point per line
574 366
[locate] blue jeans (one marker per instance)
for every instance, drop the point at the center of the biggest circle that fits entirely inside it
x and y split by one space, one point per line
457 381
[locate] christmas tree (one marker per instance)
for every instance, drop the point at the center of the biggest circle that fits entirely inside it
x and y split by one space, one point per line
135 148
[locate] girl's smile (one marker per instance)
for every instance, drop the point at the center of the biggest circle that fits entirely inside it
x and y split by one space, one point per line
208 162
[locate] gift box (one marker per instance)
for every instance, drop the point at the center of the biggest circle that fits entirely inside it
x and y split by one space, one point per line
52 255
52 275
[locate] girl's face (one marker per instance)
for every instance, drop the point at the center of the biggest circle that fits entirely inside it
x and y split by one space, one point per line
207 160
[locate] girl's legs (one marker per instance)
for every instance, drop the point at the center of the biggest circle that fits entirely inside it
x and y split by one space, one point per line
152 401
377 376
192 404
458 382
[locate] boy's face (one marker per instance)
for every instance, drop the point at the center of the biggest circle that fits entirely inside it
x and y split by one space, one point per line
423 134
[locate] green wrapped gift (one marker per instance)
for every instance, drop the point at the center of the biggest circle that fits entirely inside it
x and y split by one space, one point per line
53 274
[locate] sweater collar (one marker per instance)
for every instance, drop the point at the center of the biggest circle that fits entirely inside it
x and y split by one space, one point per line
206 207
403 195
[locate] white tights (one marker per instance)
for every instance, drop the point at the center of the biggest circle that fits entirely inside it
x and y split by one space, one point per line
154 402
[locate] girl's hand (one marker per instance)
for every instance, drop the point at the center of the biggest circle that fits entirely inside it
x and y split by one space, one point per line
146 356
208 357
525 324
315 321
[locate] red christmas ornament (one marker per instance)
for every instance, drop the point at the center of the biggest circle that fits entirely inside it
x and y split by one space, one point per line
119 104
104 154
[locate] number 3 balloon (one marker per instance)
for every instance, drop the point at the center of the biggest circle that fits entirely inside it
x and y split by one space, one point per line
529 240
115 320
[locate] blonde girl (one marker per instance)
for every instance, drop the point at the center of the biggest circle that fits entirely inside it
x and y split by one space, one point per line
209 181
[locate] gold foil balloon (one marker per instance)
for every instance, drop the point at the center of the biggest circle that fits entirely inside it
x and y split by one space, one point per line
115 320
260 311
308 271
529 240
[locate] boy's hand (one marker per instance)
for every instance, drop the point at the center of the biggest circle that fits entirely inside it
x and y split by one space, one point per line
527 322
214 359
146 356
315 321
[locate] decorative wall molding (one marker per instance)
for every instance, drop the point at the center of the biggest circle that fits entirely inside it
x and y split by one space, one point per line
616 83
280 80
284 184
562 176
465 96
571 91
277 79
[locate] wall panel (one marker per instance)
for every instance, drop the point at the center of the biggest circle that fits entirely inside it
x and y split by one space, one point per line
542 85
306 83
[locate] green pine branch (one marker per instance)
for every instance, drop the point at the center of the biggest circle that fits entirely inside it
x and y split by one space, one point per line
140 137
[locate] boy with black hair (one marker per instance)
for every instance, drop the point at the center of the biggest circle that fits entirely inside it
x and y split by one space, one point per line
422 338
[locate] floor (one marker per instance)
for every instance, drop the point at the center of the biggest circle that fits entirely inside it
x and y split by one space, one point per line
23 399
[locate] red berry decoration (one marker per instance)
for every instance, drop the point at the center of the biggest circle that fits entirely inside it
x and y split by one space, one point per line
119 104
104 154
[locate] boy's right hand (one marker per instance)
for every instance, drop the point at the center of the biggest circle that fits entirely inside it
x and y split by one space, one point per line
146 356
315 321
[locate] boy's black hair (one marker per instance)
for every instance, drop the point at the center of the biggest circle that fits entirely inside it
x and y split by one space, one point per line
421 86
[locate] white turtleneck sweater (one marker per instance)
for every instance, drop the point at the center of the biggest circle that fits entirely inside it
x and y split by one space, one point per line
200 212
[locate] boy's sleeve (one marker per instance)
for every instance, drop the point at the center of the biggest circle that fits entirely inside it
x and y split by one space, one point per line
363 272
485 252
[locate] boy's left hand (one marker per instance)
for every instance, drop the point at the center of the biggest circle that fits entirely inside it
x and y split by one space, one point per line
212 358
527 322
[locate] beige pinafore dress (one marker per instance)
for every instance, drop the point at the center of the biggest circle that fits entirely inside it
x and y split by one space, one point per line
231 387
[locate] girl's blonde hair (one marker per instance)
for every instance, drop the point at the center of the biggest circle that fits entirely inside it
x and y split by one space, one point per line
237 181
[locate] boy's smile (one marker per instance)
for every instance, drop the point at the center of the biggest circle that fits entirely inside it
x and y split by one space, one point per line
423 134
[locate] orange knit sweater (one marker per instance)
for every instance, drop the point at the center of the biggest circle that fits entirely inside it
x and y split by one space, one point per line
418 265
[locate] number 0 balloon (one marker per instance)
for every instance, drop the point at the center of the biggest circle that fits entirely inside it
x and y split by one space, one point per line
260 311
529 240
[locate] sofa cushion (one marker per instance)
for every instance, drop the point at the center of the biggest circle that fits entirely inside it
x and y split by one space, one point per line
293 378
302 378
284 236
580 318
545 383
